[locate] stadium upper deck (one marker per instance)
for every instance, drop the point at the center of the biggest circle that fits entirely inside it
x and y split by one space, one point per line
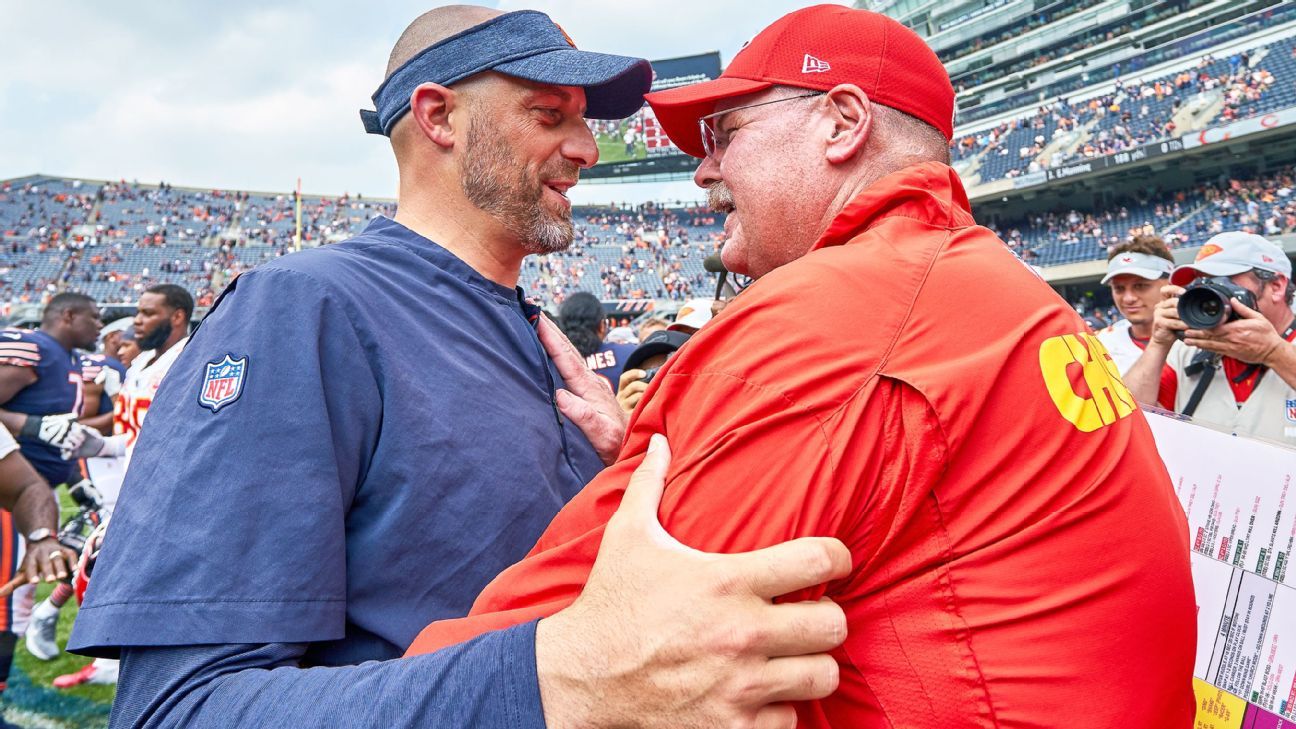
1045 85
1055 96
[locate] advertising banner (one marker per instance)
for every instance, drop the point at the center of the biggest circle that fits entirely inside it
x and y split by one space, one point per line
1225 132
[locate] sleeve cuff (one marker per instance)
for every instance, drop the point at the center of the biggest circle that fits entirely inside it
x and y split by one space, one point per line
101 628
520 677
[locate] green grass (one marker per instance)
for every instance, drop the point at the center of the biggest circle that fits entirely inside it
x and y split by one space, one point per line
42 673
30 682
613 150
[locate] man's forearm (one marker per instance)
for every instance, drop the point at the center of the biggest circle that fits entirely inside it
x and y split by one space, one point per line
35 507
102 422
488 682
1144 378
1283 363
13 422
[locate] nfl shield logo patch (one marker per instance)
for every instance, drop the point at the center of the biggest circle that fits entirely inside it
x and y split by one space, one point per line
223 382
1291 411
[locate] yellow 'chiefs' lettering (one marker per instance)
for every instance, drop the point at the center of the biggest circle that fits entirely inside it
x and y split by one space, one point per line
1108 401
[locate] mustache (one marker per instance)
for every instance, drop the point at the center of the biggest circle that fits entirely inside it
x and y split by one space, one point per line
719 198
561 169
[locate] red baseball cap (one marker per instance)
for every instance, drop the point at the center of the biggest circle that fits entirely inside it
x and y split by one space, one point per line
818 48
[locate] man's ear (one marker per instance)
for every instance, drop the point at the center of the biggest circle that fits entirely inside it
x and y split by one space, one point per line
430 108
1276 287
851 113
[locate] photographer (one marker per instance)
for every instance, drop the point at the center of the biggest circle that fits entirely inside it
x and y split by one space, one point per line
1238 373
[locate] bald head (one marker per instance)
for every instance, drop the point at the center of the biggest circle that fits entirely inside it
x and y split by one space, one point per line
433 27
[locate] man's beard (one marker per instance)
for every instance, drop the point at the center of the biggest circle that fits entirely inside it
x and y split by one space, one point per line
156 338
496 182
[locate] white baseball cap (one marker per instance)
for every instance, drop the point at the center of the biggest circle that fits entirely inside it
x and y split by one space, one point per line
117 325
693 314
1142 265
1232 253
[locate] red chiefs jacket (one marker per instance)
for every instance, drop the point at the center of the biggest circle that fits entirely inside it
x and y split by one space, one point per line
913 389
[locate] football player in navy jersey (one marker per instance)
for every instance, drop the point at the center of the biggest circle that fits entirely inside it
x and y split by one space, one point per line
582 319
41 396
28 509
40 380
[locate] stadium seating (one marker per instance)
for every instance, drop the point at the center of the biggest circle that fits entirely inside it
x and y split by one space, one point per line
112 241
1129 115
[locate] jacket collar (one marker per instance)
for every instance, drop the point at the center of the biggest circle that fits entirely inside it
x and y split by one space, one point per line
930 192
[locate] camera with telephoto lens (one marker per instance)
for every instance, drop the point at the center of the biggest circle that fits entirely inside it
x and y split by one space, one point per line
1204 303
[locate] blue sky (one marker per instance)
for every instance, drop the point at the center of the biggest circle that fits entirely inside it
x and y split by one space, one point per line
253 95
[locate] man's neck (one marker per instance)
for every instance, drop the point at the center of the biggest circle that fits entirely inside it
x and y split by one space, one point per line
58 337
1141 331
1284 322
460 227
171 341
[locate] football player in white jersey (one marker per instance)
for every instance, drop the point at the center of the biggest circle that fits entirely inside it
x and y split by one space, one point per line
1136 271
161 329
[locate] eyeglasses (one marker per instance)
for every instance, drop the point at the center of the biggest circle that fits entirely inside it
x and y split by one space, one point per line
711 140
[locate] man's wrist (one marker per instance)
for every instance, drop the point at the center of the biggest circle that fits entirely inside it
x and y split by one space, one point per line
1158 351
560 661
40 535
1282 357
113 446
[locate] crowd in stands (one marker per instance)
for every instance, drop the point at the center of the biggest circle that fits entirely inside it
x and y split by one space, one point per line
1132 114
115 239
646 252
112 241
1264 205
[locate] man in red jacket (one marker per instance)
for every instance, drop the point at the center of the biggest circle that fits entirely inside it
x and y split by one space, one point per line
1020 558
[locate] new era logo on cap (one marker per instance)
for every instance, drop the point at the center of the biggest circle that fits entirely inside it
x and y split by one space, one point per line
887 61
810 64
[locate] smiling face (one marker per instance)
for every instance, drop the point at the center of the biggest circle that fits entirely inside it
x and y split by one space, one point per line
1136 297
762 174
523 151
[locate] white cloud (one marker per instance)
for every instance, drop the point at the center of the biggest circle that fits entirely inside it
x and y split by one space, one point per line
252 95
